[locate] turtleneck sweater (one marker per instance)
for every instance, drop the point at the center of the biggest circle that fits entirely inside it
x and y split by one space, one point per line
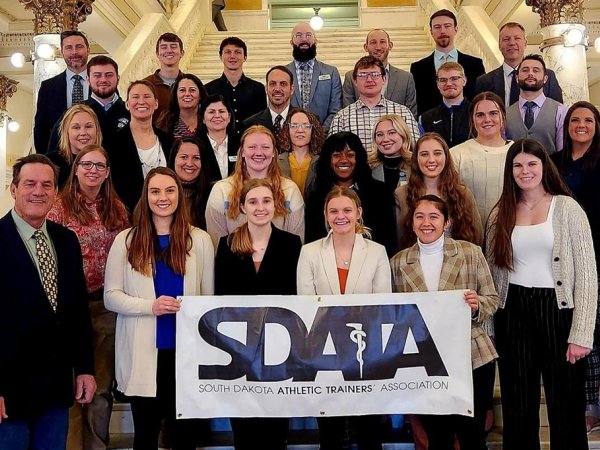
431 258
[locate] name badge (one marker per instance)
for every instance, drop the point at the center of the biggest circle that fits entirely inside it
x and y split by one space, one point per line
232 158
325 77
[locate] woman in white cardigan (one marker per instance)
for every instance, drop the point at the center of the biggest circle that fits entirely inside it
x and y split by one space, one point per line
149 265
345 262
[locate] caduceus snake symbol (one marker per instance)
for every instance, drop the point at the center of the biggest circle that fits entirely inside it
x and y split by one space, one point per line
358 336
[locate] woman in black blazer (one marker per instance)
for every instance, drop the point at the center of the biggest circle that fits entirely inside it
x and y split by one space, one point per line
258 259
138 147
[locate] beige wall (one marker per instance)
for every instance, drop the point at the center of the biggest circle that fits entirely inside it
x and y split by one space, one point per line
386 3
243 4
595 94
19 107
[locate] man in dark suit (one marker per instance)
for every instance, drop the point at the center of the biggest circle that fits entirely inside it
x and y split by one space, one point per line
57 94
444 27
399 85
503 80
280 87
46 359
317 86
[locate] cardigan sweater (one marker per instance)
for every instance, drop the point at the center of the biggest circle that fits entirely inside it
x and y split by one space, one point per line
131 294
573 268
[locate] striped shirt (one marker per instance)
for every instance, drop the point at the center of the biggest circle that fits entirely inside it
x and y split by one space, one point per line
360 119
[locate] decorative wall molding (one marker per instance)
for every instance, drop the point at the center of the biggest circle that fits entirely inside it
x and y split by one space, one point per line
54 16
16 40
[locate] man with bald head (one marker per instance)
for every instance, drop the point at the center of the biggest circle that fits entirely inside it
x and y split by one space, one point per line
317 86
399 86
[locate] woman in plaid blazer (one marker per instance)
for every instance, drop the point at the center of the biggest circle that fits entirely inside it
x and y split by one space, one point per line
439 263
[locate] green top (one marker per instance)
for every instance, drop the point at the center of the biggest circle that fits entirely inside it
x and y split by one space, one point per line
26 232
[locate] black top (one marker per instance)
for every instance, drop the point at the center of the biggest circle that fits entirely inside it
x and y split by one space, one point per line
452 123
233 145
245 99
125 166
64 168
41 349
378 214
236 275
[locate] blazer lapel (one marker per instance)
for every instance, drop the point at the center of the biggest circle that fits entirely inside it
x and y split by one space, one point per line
450 266
330 266
315 78
392 82
413 275
297 92
190 283
359 256
499 82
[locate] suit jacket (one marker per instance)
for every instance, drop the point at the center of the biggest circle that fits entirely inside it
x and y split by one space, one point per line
369 271
400 89
236 275
428 95
494 82
41 349
325 92
260 118
125 166
464 267
233 145
51 104
131 294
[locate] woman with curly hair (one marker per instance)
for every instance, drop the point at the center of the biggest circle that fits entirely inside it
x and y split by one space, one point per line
256 159
433 172
183 118
300 142
78 127
392 149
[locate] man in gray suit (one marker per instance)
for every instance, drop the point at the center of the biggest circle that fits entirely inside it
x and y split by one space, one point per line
503 80
317 86
400 84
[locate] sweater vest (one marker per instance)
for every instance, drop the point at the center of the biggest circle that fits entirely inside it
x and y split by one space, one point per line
543 129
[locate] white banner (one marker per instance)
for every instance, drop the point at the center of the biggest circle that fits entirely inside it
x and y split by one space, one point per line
295 356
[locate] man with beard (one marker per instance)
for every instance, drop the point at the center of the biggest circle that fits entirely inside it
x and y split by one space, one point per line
317 86
503 80
59 93
451 118
103 76
399 85
534 115
443 27
280 87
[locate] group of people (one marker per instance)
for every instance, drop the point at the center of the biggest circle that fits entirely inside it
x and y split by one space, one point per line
439 179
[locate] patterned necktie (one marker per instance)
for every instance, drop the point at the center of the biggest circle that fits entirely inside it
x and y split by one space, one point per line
277 124
47 267
529 114
77 96
305 88
514 88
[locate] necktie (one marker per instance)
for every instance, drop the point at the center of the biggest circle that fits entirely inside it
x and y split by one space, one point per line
514 88
277 124
47 267
305 69
529 114
77 96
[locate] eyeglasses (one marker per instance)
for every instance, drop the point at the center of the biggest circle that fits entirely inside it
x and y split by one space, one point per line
445 80
88 165
308 35
365 75
297 126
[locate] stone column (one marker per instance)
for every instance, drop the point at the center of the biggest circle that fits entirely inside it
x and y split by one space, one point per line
569 63
7 88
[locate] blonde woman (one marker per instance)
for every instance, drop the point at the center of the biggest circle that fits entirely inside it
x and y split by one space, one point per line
257 158
392 149
78 127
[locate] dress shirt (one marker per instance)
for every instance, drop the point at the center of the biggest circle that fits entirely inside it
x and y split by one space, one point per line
108 105
298 64
221 155
26 232
283 114
560 116
360 119
508 76
71 81
440 58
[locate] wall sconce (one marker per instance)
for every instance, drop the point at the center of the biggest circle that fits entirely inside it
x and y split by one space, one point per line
46 52
11 124
569 38
316 21
597 44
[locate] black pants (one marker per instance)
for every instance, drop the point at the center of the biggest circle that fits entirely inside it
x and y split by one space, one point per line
254 433
470 431
148 412
531 335
335 432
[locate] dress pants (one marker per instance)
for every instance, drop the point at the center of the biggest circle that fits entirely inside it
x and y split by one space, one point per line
531 336
264 433
470 431
335 432
148 412
46 431
592 370
88 424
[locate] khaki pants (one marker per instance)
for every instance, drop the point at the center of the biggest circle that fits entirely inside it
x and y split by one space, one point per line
88 424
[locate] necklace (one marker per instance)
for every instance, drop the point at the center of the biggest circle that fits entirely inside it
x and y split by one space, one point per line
534 204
